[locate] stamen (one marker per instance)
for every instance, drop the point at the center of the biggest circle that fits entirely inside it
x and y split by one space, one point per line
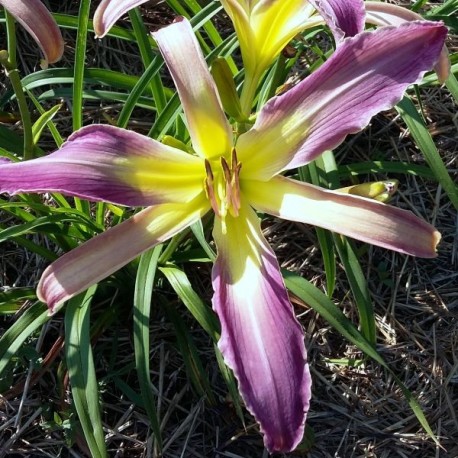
234 160
236 186
208 170
210 188
235 183
227 181
223 191
226 170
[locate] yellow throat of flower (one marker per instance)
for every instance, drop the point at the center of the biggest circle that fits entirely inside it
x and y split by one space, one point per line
222 186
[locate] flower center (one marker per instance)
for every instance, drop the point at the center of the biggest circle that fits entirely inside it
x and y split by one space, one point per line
223 187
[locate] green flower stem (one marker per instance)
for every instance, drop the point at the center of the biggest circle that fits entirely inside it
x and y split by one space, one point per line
9 62
13 74
250 85
29 146
11 38
80 59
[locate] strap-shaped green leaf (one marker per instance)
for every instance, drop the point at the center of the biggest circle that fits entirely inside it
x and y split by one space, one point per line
424 141
22 329
142 305
201 312
313 297
81 371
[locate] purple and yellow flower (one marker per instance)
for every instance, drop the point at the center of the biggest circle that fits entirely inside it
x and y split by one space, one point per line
37 20
261 340
264 28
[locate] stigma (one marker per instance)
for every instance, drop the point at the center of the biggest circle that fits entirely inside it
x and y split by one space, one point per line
222 187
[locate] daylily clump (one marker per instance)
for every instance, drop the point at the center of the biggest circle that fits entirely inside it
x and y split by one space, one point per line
236 177
37 20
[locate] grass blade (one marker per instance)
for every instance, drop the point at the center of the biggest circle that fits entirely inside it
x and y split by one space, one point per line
313 297
424 141
198 231
98 95
363 168
14 297
207 319
142 305
81 371
147 54
137 91
324 172
447 7
22 329
194 367
358 285
452 86
231 383
201 312
42 121
310 173
80 59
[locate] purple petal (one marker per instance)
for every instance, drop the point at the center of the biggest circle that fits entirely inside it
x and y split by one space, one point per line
101 256
261 339
109 11
105 163
37 20
367 74
345 18
382 14
363 219
208 127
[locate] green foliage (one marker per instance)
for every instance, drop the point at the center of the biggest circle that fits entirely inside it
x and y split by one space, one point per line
313 297
425 142
142 304
81 370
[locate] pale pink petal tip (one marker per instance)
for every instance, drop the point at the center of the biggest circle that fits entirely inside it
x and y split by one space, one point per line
109 11
38 21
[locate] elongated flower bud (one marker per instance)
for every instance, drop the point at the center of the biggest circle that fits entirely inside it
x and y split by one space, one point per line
377 190
226 87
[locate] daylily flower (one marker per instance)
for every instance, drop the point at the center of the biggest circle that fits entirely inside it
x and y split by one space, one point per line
37 20
261 340
109 11
265 27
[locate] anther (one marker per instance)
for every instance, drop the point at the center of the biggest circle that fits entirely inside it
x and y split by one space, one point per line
223 191
208 170
209 187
